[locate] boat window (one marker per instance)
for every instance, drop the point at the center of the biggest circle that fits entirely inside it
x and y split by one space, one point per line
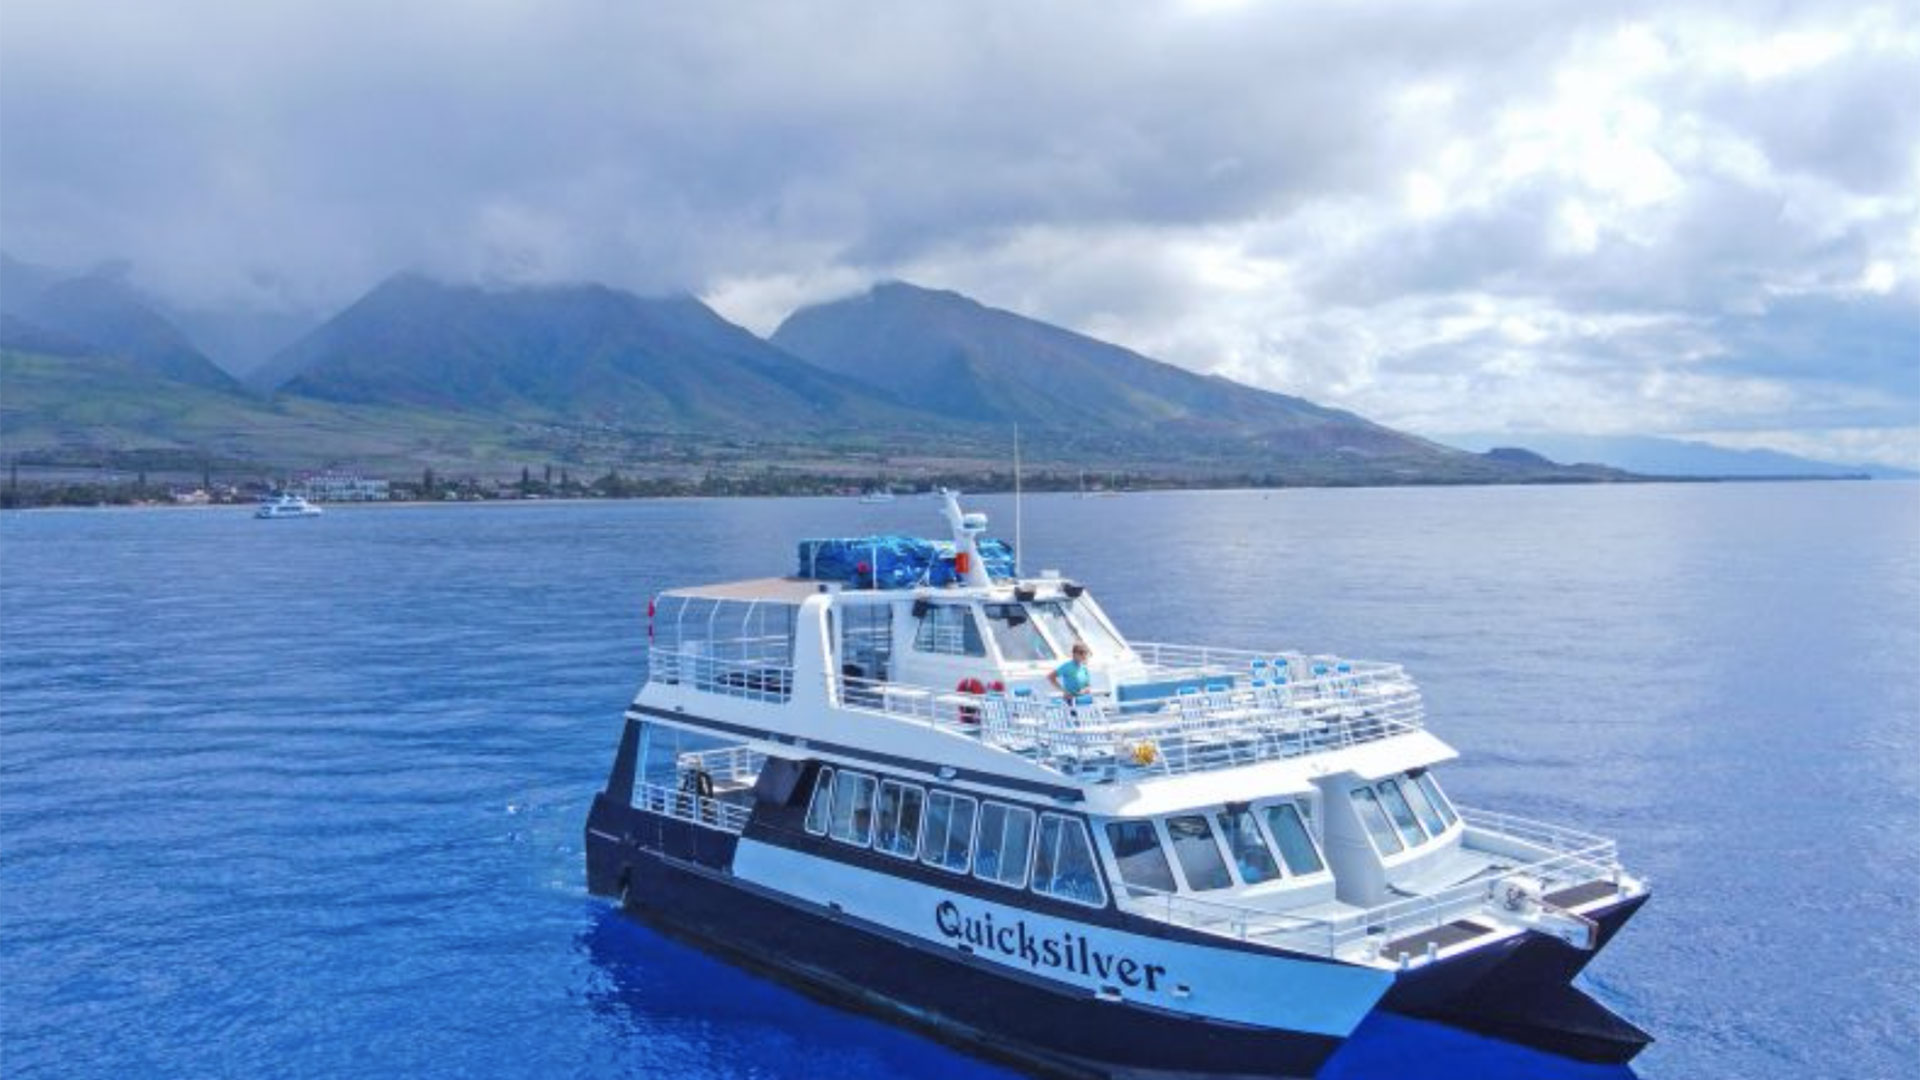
866 642
1094 631
1015 634
1052 620
1199 856
1250 855
1375 819
1142 862
852 808
949 629
949 832
1432 789
821 806
1006 839
1063 864
1295 842
896 831
1423 808
1403 818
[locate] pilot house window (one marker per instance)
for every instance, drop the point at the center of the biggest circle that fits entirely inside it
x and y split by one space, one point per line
949 629
1402 814
1249 848
1015 634
1295 843
1199 856
1141 860
1375 819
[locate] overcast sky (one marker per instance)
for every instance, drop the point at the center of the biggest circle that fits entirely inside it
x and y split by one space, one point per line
1694 219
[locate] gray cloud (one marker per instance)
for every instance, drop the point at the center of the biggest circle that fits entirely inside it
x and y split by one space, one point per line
1433 213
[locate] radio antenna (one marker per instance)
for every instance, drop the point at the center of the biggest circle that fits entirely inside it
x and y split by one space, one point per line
1018 545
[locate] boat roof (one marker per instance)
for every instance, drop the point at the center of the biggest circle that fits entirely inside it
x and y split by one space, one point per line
785 590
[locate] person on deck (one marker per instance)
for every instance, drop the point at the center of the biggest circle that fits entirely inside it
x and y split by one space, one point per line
1072 678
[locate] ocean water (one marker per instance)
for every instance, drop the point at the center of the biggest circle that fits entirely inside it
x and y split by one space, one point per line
305 798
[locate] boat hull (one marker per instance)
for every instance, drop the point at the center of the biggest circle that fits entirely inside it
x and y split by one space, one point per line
967 1004
1522 990
676 876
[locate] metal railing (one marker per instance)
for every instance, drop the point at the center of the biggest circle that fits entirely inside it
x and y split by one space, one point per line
755 680
1560 858
727 766
688 806
1195 710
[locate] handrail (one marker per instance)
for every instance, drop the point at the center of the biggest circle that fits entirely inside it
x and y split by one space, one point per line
752 679
1175 727
688 806
724 765
1192 709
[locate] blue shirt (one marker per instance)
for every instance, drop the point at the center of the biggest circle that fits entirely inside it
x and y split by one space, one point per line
1074 677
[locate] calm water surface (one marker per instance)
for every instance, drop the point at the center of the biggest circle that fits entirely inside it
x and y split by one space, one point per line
305 798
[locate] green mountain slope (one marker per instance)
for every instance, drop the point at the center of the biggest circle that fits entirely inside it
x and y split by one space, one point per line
110 316
581 354
944 352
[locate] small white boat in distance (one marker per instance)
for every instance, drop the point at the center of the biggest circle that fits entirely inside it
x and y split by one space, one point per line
285 505
877 497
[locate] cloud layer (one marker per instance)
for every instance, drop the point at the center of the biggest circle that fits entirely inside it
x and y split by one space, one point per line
1664 219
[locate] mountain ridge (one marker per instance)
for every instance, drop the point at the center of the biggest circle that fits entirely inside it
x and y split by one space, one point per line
937 349
1651 455
582 352
101 310
902 378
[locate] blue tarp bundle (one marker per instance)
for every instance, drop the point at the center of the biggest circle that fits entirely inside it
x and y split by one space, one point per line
894 561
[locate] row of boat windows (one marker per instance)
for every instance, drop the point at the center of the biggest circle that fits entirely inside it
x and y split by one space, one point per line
1021 632
995 841
1205 854
1404 812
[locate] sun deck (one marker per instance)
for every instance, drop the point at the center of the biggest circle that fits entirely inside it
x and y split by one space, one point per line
1190 709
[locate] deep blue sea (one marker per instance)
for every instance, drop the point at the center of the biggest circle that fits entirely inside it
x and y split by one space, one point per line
305 798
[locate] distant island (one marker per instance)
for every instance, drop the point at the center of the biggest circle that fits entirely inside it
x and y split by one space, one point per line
444 390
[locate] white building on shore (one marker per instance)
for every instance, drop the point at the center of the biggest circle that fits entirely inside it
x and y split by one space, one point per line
344 487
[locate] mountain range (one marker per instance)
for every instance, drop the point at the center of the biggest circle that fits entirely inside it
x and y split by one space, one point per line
490 379
1652 456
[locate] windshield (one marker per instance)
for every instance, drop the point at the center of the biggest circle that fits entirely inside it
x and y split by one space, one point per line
1014 633
1068 621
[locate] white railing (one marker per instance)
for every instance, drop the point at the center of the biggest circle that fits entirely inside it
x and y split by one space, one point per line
1195 710
755 680
1563 858
690 807
726 766
1555 851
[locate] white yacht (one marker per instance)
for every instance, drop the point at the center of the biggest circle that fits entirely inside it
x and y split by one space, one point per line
286 505
1216 862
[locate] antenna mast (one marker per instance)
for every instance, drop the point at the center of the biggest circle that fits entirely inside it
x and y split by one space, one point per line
1017 544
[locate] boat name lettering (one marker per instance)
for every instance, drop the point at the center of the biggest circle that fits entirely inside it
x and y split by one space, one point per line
1063 951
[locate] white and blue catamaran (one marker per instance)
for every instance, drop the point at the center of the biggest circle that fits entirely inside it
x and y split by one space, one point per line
1216 862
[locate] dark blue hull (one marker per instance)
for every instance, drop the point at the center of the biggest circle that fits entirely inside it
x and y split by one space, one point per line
965 1003
962 1001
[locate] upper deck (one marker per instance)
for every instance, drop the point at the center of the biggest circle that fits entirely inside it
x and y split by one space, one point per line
1184 709
1165 709
962 653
